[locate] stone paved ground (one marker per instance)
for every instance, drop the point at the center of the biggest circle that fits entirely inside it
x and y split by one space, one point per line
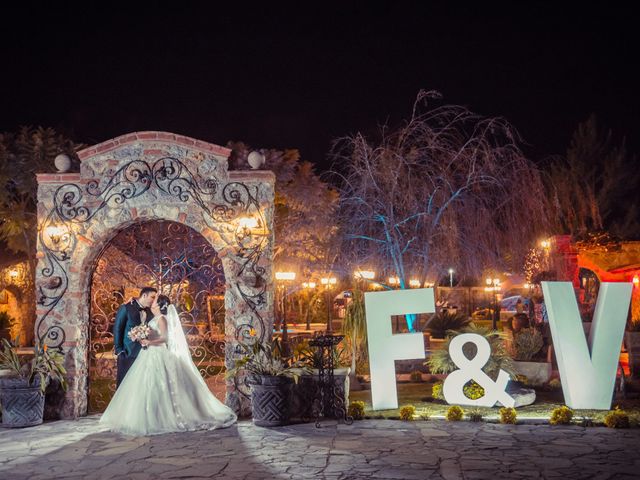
368 449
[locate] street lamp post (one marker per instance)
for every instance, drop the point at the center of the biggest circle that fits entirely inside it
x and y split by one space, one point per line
285 277
328 282
451 277
494 286
309 286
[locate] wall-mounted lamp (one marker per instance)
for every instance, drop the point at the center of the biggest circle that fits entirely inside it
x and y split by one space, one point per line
55 234
59 238
248 222
249 226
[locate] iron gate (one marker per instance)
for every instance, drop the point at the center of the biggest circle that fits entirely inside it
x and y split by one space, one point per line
180 263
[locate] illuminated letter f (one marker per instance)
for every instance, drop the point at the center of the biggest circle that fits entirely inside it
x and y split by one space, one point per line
384 347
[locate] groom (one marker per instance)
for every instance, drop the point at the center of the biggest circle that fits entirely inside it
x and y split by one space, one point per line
128 316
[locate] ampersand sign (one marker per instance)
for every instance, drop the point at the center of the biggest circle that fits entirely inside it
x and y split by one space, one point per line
472 370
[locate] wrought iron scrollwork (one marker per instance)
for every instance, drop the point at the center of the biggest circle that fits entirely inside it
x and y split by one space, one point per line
77 204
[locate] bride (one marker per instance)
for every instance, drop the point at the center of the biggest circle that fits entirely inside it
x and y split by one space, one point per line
163 391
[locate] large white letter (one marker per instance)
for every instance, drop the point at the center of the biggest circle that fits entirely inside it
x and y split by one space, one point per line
587 371
384 347
471 369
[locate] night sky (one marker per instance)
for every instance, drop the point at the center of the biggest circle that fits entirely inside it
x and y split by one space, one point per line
297 75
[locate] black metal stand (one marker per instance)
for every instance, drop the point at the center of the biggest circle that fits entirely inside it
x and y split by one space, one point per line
328 403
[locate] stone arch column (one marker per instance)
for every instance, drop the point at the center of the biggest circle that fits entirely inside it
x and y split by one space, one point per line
151 176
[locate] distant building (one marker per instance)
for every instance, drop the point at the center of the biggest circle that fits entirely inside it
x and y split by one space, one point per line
587 264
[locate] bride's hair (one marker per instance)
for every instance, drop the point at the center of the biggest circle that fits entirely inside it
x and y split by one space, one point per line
163 303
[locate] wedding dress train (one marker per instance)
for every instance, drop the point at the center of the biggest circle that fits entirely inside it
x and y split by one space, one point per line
164 392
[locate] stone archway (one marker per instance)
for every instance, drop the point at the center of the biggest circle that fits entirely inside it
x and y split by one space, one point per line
140 177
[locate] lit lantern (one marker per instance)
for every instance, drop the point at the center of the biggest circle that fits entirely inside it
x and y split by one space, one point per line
636 280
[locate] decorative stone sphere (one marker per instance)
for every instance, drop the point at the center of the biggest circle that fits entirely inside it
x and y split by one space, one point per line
62 163
255 160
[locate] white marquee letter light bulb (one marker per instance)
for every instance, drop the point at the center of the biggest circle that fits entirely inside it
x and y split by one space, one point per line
384 347
587 370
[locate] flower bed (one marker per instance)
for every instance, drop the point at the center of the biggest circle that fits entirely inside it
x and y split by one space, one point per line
419 395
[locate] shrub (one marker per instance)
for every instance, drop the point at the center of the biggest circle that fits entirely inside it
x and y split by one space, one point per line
356 410
407 412
362 367
416 376
527 343
554 384
561 416
617 419
440 360
475 415
436 391
443 322
472 390
522 379
508 415
455 413
425 414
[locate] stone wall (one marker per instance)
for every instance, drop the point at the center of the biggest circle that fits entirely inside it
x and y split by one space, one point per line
140 177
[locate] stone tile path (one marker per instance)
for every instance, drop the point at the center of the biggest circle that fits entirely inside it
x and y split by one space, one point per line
382 449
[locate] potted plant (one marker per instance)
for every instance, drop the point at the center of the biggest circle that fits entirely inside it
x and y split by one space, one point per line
24 382
6 323
444 322
270 378
632 342
306 390
527 345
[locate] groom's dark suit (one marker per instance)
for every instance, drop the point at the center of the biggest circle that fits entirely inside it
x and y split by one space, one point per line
127 317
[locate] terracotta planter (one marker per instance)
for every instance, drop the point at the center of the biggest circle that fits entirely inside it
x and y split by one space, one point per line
632 341
537 373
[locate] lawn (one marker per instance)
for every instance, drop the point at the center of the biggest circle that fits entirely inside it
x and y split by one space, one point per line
419 395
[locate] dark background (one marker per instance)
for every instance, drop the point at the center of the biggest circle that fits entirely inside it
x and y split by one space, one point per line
298 74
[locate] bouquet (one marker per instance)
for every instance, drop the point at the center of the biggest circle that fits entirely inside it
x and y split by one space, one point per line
139 332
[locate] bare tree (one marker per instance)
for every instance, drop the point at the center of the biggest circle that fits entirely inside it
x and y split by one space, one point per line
447 189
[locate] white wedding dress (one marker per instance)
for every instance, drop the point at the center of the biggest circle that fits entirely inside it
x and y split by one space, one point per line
163 391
